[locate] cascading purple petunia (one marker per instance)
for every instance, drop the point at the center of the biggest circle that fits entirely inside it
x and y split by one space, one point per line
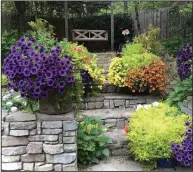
184 60
33 71
183 152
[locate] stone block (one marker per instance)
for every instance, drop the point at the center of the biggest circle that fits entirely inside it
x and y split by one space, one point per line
69 133
111 104
91 105
20 116
12 166
20 150
120 152
51 143
6 128
33 132
133 102
51 131
69 125
39 128
12 158
70 147
110 122
127 103
46 167
99 105
114 146
19 132
186 110
60 138
22 125
53 149
118 103
39 163
82 106
4 115
33 157
58 167
70 167
52 124
141 100
28 166
64 158
14 141
69 139
40 138
106 104
120 123
64 117
34 147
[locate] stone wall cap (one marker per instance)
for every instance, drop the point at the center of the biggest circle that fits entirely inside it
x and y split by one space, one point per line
63 117
20 116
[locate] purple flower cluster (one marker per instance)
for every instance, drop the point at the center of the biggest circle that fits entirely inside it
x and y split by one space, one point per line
184 60
183 152
33 71
86 78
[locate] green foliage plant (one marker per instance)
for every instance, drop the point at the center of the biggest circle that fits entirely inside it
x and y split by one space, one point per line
8 39
151 132
42 31
92 143
181 91
150 40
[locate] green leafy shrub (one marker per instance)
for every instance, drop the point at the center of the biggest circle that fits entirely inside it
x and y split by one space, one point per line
181 91
43 33
172 45
150 40
91 141
9 38
151 132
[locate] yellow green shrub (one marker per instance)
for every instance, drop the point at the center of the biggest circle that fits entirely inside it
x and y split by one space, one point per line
151 132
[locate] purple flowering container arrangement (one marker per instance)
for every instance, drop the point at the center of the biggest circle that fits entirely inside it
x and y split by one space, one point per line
40 75
184 61
183 152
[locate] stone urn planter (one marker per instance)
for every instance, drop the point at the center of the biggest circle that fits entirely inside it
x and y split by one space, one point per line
50 106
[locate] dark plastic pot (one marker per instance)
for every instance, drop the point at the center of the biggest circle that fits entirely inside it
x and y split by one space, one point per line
166 163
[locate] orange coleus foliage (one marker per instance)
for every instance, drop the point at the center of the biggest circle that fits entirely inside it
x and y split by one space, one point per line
86 59
152 76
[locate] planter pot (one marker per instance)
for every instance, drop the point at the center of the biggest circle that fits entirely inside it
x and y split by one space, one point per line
49 105
166 163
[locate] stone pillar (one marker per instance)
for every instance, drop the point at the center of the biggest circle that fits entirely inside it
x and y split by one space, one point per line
38 142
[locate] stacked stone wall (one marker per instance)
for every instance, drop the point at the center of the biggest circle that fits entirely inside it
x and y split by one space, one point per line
187 106
38 142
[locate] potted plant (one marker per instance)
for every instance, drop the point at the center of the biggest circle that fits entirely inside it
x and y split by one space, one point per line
40 75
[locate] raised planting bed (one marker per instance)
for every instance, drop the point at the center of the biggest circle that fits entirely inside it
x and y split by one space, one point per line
116 100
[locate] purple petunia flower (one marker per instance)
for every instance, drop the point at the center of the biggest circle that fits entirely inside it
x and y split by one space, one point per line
62 73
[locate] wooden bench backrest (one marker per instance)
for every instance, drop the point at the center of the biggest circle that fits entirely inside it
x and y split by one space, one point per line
89 35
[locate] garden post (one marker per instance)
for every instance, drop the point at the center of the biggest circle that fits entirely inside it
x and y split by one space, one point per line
112 26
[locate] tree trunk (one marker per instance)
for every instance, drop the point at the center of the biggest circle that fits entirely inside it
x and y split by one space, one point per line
137 17
21 8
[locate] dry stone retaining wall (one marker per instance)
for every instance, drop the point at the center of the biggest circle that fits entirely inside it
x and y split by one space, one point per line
38 142
111 101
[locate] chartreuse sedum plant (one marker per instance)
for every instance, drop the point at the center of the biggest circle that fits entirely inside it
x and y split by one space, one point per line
92 143
151 132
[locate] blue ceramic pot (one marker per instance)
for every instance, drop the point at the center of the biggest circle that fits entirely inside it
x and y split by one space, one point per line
166 163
